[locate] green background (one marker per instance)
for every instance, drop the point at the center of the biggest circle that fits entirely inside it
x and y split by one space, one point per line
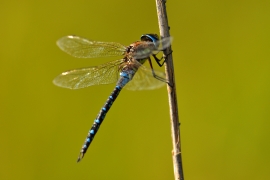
221 57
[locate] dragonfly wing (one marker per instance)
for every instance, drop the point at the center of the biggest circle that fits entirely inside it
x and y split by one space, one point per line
83 48
84 77
165 42
144 80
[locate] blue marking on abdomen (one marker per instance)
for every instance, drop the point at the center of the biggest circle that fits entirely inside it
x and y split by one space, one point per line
99 120
124 74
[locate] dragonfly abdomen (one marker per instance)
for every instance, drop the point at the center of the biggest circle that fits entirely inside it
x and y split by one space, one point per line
99 119
125 77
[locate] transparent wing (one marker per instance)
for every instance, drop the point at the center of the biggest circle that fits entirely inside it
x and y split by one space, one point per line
165 42
144 80
80 78
83 48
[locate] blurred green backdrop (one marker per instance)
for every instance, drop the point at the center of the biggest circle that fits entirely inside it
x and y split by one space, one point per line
221 57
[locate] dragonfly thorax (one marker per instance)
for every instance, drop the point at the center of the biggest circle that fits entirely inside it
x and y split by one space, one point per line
140 50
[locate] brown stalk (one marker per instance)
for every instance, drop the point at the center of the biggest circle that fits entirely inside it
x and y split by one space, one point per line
169 70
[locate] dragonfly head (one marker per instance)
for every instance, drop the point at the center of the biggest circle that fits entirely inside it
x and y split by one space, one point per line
151 38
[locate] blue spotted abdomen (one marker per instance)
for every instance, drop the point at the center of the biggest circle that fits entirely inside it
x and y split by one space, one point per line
97 122
125 77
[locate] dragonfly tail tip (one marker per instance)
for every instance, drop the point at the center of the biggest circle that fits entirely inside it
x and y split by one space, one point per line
80 157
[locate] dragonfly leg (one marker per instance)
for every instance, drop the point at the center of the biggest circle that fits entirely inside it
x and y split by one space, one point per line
158 60
156 76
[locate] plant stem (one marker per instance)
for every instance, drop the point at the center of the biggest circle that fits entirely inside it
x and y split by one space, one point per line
169 69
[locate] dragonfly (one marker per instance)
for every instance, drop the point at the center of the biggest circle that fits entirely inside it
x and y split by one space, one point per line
128 72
